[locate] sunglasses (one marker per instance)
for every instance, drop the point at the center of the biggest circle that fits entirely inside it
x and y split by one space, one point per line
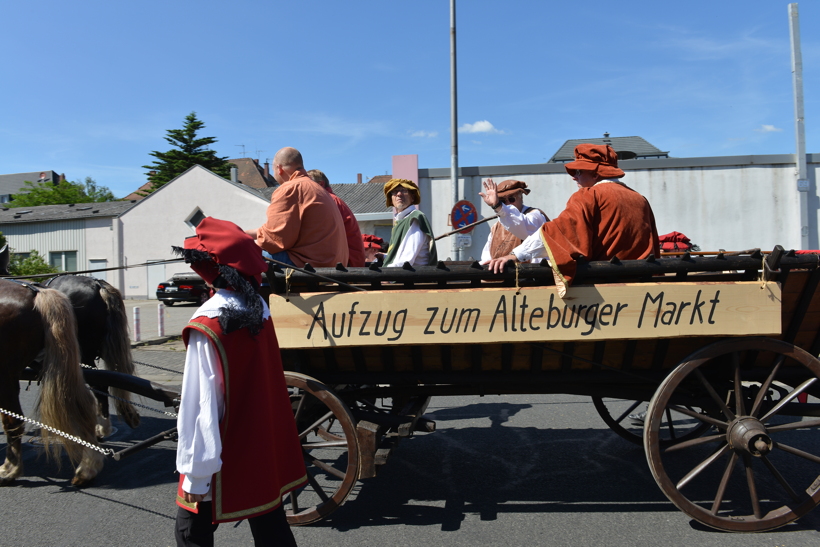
509 200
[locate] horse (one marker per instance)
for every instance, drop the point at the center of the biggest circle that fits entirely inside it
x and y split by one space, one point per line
35 320
102 333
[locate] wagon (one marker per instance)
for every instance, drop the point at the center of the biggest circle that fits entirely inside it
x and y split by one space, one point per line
709 361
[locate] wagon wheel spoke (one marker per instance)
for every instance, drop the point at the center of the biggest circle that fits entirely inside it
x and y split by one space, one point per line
698 416
669 425
794 425
750 483
628 411
788 398
326 444
294 502
797 452
740 406
761 395
781 479
316 488
727 473
702 466
315 425
324 467
695 442
715 397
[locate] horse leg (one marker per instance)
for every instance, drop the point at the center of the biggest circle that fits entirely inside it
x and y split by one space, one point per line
103 428
14 428
90 465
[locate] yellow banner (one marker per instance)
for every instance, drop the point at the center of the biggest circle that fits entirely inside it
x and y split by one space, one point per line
488 315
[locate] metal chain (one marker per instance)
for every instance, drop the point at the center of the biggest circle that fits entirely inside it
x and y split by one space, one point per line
171 414
92 446
158 367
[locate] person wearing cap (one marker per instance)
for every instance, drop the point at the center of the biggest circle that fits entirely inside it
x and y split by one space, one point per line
303 222
373 245
355 250
232 336
516 221
412 237
604 219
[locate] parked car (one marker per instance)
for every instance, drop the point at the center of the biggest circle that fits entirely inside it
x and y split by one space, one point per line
186 287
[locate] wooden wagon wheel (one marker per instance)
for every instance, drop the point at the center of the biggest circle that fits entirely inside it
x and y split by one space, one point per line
627 417
761 469
330 448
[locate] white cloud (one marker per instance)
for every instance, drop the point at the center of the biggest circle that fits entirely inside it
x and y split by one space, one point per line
482 126
768 129
424 134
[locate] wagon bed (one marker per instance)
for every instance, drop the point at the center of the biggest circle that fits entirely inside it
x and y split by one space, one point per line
727 324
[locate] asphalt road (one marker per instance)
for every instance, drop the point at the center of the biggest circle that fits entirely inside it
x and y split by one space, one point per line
511 470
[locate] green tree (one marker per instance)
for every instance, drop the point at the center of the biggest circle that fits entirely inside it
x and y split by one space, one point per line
46 193
32 264
189 150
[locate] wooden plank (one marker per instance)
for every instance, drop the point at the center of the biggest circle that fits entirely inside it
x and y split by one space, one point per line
503 315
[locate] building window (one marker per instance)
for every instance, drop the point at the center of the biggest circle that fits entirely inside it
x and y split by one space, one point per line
65 261
196 217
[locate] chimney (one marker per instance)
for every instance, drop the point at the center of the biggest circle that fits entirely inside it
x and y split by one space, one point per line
62 177
606 135
358 178
234 174
267 169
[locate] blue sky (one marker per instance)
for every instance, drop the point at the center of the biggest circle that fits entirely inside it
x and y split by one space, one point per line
90 88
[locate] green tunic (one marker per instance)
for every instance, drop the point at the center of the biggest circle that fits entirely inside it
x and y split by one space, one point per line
400 230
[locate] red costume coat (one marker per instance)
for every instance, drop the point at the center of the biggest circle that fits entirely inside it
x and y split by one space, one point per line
604 221
261 452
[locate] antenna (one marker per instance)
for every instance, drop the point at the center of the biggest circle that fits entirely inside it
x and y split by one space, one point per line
258 152
243 149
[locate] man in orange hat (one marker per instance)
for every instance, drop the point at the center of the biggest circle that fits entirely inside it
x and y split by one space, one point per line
604 219
232 336
516 221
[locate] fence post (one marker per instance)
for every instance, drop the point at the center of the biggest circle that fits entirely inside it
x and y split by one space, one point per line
137 336
160 319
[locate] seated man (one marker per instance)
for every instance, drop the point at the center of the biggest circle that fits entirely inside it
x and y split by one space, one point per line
304 224
355 248
516 221
603 219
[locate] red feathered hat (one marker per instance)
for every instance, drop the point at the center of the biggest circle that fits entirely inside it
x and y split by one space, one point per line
228 245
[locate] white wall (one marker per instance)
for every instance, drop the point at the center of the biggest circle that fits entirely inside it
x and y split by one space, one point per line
159 221
727 203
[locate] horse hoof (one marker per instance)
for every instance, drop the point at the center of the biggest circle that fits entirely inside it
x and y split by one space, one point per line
7 481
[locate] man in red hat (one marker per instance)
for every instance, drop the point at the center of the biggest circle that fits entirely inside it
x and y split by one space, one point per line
603 219
516 221
232 336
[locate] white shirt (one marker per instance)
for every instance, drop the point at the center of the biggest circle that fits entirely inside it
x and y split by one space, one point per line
415 247
518 223
532 249
202 403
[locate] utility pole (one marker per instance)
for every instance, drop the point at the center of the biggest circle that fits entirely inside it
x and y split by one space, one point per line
799 125
456 251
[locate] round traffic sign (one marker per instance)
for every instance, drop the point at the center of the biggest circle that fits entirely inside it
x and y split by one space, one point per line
463 214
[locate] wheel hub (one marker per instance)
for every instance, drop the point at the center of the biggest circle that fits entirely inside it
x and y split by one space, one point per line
747 434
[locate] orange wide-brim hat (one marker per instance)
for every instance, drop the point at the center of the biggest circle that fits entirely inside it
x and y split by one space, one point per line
392 184
600 158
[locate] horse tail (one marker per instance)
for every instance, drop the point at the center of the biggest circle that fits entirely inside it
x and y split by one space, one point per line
65 401
116 348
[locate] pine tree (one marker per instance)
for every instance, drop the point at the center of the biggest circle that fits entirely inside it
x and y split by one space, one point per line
190 150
